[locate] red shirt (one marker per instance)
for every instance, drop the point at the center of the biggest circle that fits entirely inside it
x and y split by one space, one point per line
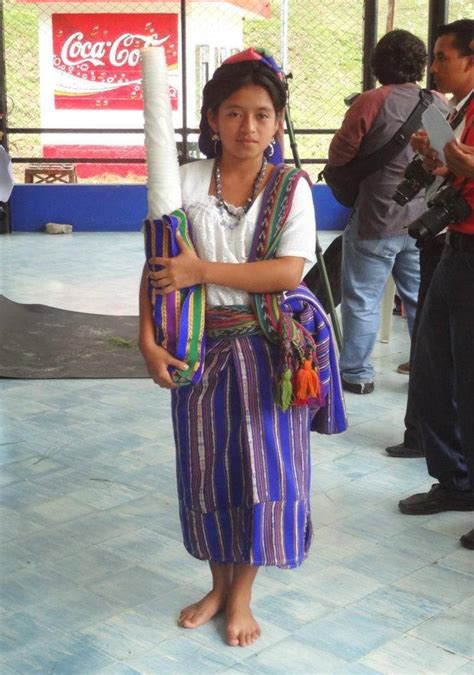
467 226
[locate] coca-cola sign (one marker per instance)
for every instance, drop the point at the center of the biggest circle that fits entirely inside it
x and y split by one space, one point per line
97 58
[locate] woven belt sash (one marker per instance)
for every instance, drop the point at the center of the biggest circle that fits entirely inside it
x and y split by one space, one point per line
231 321
178 316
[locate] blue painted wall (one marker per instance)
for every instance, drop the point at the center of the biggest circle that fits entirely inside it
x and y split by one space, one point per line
118 208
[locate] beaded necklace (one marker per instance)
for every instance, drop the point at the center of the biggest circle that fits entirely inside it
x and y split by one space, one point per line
248 204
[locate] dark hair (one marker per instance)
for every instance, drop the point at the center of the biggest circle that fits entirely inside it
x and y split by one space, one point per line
229 78
399 57
463 33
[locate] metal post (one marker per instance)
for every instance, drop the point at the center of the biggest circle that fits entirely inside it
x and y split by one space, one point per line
370 40
4 208
284 35
184 83
319 251
390 15
438 15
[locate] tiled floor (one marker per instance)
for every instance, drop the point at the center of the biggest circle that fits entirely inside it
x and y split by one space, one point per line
94 571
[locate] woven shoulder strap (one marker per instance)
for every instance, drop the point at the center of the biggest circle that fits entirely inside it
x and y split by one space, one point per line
276 206
298 381
178 316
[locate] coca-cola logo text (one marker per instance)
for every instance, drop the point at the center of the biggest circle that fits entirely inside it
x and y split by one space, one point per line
96 57
123 51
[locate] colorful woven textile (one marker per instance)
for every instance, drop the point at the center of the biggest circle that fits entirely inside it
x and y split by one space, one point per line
178 316
298 380
243 465
329 412
231 321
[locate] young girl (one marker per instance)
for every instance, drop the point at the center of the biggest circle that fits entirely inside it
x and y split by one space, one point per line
243 463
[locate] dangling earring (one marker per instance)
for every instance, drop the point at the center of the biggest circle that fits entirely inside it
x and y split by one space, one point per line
215 138
271 148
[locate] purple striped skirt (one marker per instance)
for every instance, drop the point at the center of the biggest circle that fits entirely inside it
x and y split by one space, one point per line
243 465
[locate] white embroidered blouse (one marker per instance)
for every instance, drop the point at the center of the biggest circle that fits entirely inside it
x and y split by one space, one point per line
218 237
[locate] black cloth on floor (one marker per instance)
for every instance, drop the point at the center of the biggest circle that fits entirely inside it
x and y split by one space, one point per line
42 342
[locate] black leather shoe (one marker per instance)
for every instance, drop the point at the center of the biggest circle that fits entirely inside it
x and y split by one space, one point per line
467 540
401 450
438 499
358 387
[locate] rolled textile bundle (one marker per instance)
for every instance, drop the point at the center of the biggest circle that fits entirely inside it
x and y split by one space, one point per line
164 188
178 316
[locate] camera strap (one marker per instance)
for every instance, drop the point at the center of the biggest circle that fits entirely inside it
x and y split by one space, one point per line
456 116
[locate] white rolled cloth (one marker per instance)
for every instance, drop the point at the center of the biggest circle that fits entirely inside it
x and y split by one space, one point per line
6 175
164 188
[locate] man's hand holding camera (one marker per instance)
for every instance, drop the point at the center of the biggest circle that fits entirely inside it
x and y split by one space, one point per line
448 205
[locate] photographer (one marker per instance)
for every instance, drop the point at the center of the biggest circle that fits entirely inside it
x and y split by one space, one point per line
375 242
451 77
442 377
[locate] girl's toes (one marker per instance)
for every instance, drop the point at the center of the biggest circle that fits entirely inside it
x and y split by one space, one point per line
232 639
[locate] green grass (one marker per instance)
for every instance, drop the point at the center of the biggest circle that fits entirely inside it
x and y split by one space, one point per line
121 342
21 59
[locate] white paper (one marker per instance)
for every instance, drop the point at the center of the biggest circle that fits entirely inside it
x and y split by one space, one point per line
6 175
438 130
164 188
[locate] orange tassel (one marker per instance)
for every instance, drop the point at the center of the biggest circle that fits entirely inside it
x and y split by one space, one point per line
307 383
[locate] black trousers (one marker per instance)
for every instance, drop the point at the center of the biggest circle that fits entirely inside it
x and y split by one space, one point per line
430 255
442 377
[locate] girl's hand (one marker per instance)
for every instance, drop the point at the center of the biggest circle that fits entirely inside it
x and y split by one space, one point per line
157 361
182 271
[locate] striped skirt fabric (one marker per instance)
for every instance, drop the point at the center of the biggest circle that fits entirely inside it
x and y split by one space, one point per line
243 465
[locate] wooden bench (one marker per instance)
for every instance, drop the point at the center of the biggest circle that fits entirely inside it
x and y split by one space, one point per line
51 173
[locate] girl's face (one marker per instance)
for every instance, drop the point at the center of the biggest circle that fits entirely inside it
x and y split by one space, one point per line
246 122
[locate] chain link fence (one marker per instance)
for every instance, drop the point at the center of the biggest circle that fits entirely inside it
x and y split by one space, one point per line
73 66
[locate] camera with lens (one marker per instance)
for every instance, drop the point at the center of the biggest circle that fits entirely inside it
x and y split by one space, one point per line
447 206
415 178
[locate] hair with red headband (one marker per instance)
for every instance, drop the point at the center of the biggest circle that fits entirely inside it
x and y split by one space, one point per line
252 66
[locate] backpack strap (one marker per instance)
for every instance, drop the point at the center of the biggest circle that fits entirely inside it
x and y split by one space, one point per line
355 171
376 160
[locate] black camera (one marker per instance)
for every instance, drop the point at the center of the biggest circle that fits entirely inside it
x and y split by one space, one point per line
415 178
447 206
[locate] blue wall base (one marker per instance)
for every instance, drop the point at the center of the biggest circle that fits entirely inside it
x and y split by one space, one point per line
118 208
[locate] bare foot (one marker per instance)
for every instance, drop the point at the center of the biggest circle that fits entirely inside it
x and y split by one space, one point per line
242 629
201 612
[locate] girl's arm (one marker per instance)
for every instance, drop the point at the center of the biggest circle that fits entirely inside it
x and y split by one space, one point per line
266 276
156 358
